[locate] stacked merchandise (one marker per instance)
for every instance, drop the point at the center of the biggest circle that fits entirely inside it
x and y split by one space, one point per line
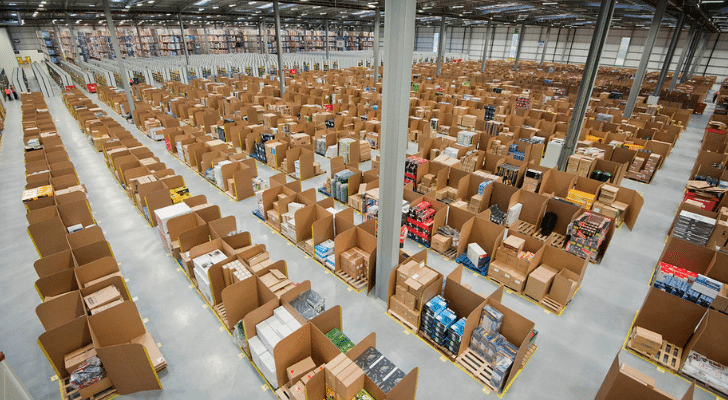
258 152
523 103
450 152
509 172
410 169
489 112
234 272
483 185
455 336
428 183
379 369
288 221
532 180
498 149
582 199
491 346
604 117
579 164
532 140
705 370
450 237
340 185
608 205
340 340
615 95
269 333
345 148
587 233
518 155
469 161
321 146
217 174
436 321
497 216
601 176
260 184
465 138
419 222
493 128
355 263
201 265
693 228
325 251
309 304
476 259
696 288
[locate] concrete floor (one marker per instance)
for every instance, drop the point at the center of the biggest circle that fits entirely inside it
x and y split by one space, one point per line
575 349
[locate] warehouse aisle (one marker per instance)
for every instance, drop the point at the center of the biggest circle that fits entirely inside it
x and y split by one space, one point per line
33 85
575 349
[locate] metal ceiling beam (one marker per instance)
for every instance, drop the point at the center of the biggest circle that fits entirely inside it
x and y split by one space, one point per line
700 52
545 45
586 86
691 55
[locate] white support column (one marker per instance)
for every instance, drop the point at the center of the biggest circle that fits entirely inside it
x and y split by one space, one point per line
591 68
545 44
521 37
326 41
377 23
639 76
399 30
279 48
441 46
485 46
117 54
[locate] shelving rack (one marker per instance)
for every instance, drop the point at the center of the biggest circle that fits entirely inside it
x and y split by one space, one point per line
49 46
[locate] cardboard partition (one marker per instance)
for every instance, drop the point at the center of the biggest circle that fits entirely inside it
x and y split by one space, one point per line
328 320
623 384
357 237
60 310
116 333
91 252
428 293
483 232
242 298
49 236
557 183
78 212
56 343
709 338
465 304
41 214
406 389
672 317
616 169
533 206
623 155
635 202
305 342
54 263
565 213
96 270
687 255
500 194
57 284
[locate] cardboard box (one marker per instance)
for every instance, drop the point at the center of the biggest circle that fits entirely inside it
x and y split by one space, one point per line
539 282
720 303
334 368
75 358
299 369
349 381
564 286
103 278
637 375
106 306
441 243
102 297
410 301
514 243
645 340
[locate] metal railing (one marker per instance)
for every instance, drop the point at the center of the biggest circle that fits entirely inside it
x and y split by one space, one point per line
11 388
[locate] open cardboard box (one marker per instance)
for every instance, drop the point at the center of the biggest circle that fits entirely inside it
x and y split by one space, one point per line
54 263
49 236
557 183
242 298
412 317
511 270
61 310
568 282
565 213
483 232
625 384
686 255
532 211
498 194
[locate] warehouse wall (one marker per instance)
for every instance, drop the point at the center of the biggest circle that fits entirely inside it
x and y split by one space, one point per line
573 46
7 55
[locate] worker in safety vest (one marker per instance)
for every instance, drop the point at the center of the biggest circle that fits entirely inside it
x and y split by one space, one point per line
6 93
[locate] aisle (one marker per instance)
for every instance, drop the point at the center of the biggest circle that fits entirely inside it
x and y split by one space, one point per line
33 85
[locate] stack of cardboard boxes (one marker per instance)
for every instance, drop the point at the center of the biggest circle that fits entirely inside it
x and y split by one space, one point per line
354 262
539 282
511 263
298 376
645 341
201 265
608 205
103 299
579 164
277 282
428 184
413 278
344 379
642 170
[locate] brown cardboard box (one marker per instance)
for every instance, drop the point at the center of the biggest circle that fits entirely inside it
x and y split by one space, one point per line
514 243
75 358
349 382
103 278
518 281
495 271
564 286
645 340
333 367
721 300
405 271
106 306
299 369
298 391
637 375
102 297
400 292
441 243
539 282
410 301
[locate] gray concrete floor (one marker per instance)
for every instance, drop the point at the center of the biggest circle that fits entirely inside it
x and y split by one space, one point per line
575 349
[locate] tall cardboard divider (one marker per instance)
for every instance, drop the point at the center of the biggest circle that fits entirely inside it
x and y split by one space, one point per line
56 284
621 386
687 255
61 310
49 236
465 303
54 263
483 232
85 236
62 340
307 341
709 338
95 270
329 320
244 297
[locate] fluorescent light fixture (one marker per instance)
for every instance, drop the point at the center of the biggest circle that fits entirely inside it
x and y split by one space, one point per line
201 2
168 14
201 9
264 6
457 6
215 7
252 3
12 4
151 2
231 5
550 4
78 21
711 1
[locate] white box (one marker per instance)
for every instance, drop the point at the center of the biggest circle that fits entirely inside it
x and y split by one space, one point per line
268 336
74 228
283 331
203 282
274 323
293 325
514 213
283 315
267 366
163 215
475 252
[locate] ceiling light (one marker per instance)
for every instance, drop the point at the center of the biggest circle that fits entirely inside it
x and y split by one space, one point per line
168 14
78 21
215 7
201 2
264 6
12 4
252 2
151 2
231 5
140 4
550 4
201 9
457 6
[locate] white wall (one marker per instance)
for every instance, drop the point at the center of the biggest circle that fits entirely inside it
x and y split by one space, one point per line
575 53
7 55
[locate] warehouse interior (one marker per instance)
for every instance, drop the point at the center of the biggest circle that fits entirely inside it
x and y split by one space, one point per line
559 90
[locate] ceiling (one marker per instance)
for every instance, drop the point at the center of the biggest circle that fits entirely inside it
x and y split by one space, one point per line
712 14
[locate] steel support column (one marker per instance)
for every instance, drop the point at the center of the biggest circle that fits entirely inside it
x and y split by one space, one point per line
326 41
591 67
639 76
691 55
139 38
207 39
670 53
441 46
699 53
58 40
117 54
545 45
264 28
399 29
74 39
485 46
470 41
521 36
710 57
279 47
377 23
683 56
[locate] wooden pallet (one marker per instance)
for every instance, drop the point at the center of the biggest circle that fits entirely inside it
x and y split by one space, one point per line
302 246
540 236
402 320
551 305
451 253
439 348
68 392
525 228
477 367
557 240
220 311
357 284
668 356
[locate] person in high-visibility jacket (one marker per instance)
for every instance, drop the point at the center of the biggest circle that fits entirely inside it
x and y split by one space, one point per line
7 94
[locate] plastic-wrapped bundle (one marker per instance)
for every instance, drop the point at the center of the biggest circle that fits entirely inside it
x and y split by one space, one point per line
88 373
491 319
